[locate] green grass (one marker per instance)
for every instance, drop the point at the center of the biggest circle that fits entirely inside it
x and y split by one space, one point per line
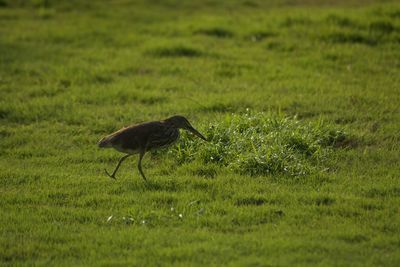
300 100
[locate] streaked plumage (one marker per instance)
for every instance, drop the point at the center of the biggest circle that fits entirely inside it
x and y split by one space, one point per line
146 136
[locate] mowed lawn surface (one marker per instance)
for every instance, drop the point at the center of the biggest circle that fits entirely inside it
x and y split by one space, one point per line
74 71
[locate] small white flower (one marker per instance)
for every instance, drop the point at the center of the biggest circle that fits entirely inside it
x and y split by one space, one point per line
109 218
144 221
172 209
180 215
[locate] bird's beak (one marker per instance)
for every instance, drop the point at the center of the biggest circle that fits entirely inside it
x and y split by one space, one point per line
195 132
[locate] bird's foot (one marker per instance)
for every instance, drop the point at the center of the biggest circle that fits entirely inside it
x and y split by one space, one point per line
110 175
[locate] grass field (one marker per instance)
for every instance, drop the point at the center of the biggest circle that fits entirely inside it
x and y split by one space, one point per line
299 98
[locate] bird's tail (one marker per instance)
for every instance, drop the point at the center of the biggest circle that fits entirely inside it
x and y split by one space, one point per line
105 142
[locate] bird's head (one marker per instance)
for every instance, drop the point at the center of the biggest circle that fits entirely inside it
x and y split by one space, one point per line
182 123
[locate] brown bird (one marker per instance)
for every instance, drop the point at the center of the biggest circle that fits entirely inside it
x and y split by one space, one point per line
143 137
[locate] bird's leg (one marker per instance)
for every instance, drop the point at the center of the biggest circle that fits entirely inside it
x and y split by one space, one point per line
116 169
142 152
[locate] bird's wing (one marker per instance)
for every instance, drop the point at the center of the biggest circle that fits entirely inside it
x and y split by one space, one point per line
162 136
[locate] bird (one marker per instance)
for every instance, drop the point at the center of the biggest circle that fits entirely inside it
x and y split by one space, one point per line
143 137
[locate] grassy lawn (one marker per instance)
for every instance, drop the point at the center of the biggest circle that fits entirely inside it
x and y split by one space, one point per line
299 99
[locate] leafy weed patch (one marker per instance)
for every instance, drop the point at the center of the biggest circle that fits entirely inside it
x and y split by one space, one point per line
263 144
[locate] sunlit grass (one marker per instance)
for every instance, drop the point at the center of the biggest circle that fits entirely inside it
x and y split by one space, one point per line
299 101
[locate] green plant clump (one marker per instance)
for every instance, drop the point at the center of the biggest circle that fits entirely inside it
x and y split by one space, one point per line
263 144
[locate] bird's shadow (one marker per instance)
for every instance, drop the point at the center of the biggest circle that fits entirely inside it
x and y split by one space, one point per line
161 185
151 184
168 185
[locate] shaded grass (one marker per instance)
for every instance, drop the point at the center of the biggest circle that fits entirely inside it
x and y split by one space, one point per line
216 32
178 51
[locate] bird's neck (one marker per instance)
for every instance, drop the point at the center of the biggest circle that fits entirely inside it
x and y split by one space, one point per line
169 123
